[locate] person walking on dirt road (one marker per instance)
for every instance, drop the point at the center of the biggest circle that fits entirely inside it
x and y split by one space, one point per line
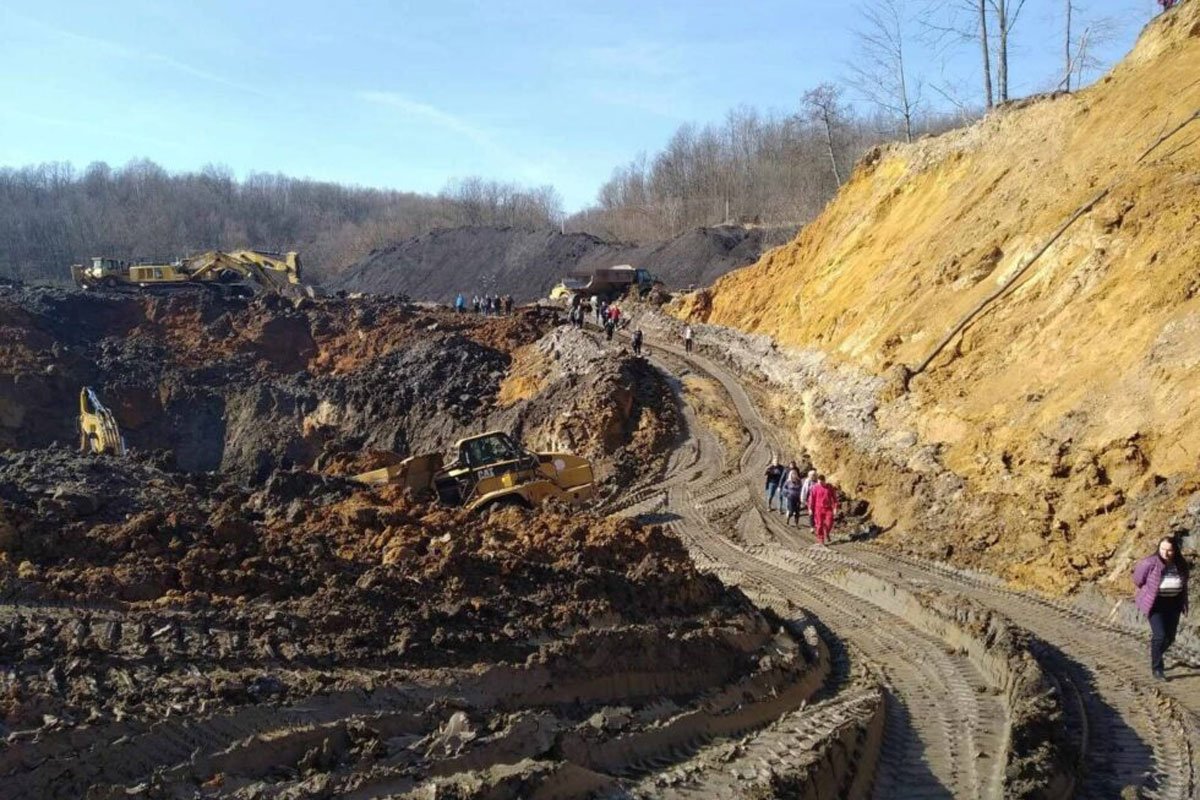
791 494
460 304
774 475
809 480
609 327
1162 582
822 505
687 338
637 342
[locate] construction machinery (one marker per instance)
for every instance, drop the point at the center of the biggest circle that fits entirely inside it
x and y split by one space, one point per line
243 273
490 470
98 431
608 282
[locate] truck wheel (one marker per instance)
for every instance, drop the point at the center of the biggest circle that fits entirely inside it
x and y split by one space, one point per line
109 282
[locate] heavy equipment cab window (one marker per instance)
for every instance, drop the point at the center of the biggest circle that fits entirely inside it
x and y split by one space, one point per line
488 451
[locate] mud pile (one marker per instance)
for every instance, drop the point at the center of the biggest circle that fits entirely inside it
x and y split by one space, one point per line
245 388
571 392
528 263
1057 435
356 636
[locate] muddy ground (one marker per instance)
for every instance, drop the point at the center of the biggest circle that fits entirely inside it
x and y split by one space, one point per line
244 388
227 570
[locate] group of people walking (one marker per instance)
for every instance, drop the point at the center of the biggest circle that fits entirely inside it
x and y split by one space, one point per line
798 493
489 304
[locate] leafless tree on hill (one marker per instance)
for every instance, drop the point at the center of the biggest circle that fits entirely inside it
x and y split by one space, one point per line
1006 13
824 106
947 23
880 72
1082 37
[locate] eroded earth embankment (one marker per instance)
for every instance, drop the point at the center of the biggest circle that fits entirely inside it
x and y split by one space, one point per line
1053 438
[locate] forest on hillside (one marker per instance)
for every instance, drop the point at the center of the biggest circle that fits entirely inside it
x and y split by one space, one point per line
52 215
777 169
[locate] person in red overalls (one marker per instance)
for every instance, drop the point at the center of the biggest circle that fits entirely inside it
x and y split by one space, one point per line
822 505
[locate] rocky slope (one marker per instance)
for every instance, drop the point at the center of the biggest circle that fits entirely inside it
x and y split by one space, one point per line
1058 433
528 263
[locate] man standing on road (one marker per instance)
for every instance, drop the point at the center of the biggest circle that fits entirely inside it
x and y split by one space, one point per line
637 342
460 303
687 338
822 505
774 477
609 327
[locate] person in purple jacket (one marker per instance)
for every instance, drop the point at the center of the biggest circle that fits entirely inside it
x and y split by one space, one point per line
1161 580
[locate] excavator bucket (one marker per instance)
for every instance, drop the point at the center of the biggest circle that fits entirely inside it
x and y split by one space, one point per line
98 431
415 472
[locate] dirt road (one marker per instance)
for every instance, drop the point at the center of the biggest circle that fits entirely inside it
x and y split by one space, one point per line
950 729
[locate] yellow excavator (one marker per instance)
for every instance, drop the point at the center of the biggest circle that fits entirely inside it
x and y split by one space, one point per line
236 273
490 471
98 431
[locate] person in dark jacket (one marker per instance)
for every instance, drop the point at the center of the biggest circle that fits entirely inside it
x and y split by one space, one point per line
637 342
774 477
1162 595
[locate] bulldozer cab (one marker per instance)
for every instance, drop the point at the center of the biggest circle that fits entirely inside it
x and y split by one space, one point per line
486 464
488 449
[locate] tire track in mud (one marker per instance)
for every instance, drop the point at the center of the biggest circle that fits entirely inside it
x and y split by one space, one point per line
944 733
1130 732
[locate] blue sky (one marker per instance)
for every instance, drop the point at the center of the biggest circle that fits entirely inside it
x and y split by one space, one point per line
409 95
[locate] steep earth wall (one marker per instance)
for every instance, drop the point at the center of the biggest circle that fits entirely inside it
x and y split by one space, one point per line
1065 415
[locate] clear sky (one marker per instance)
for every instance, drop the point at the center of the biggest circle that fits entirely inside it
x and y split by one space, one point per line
409 95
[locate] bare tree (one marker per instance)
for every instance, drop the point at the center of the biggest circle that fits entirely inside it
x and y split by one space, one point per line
824 106
985 46
945 23
1067 65
1006 13
880 72
1079 49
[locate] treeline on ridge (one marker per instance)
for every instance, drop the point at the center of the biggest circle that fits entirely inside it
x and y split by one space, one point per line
52 215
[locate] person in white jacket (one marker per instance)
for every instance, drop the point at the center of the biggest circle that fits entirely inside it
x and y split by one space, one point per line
806 487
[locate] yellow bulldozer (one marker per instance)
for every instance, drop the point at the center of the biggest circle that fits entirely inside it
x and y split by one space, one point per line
98 431
491 470
243 273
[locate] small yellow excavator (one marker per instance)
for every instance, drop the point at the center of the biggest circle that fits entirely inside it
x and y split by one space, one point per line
236 273
491 471
98 431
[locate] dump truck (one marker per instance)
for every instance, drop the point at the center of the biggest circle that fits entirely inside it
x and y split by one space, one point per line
98 431
608 282
243 273
490 470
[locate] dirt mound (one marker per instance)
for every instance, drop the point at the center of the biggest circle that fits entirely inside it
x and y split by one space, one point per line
1057 433
528 263
315 631
570 392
